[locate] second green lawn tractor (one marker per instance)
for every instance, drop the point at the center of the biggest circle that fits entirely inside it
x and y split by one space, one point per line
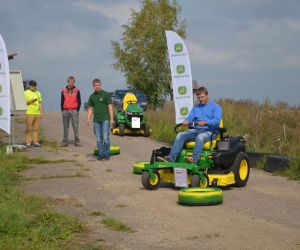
223 162
130 119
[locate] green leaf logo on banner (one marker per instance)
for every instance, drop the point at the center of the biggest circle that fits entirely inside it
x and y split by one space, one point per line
178 47
184 111
1 111
180 69
182 90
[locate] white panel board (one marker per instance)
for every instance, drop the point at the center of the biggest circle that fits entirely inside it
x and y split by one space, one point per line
17 91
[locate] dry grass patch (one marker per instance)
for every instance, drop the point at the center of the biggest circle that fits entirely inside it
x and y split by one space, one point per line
116 225
97 213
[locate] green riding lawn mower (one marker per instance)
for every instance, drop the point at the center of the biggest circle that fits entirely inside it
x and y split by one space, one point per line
223 162
130 119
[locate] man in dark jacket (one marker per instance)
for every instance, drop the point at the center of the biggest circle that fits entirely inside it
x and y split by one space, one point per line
70 106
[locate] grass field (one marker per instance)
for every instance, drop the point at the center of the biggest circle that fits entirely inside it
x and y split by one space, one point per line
267 128
25 221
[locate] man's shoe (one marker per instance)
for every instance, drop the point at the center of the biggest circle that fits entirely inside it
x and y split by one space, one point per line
37 145
106 158
164 159
77 144
28 145
189 160
100 158
64 144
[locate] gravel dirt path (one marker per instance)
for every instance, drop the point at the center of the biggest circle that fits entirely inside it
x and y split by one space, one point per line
263 215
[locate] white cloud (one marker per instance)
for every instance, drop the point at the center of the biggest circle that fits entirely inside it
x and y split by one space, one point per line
119 12
67 43
202 55
294 25
260 45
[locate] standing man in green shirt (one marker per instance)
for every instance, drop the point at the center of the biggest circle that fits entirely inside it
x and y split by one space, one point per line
100 105
34 113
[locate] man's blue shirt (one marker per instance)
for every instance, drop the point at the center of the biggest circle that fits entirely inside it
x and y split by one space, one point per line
211 113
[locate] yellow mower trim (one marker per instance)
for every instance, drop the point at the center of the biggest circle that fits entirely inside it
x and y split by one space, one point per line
207 145
223 180
166 176
141 164
129 131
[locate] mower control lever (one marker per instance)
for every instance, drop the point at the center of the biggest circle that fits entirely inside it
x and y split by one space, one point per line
190 126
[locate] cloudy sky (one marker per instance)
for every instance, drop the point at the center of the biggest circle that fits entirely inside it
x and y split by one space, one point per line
241 49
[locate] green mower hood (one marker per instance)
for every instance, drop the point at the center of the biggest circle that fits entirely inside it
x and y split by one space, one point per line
134 108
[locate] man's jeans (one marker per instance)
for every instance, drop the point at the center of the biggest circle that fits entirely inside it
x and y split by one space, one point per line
101 130
199 136
73 115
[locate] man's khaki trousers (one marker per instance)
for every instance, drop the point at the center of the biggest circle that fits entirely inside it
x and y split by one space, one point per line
32 125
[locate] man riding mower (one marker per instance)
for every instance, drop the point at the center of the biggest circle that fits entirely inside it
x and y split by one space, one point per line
211 159
130 119
223 162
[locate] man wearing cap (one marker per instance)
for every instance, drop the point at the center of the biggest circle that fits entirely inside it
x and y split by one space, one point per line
70 106
34 113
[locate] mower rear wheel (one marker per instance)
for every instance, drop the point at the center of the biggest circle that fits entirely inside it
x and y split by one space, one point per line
148 182
241 169
121 129
196 181
147 130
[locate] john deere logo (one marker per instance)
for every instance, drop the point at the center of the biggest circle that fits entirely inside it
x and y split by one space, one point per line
184 111
178 47
1 111
180 69
182 90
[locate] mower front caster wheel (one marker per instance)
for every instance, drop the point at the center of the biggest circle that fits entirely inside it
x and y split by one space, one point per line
197 182
150 183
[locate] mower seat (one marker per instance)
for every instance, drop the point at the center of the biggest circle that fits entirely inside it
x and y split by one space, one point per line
129 98
208 144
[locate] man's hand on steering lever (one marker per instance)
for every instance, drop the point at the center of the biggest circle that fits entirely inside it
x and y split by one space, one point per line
185 123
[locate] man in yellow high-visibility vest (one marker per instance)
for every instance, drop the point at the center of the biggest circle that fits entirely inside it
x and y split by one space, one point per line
34 113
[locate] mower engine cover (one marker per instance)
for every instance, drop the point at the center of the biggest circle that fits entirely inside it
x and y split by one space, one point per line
227 150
